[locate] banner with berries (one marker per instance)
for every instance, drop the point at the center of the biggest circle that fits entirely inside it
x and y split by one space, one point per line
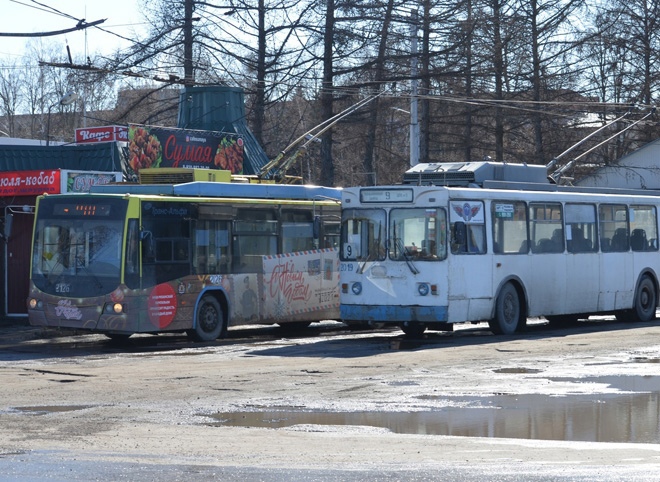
150 146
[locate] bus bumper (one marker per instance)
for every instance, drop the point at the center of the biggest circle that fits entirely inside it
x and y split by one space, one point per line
393 314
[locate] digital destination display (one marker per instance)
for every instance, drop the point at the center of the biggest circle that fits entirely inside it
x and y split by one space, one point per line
82 210
386 195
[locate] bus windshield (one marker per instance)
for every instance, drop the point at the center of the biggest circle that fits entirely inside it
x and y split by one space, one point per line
363 234
419 233
78 249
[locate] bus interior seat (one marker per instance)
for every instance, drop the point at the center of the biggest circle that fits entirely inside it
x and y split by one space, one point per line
524 247
638 240
578 243
620 240
544 245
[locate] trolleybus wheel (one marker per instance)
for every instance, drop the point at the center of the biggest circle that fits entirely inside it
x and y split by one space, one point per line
413 328
646 300
210 320
294 326
562 320
508 312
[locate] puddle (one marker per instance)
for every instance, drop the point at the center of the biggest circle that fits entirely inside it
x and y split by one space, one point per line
612 417
648 383
45 409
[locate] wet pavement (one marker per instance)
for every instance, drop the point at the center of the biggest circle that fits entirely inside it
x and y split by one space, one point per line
333 403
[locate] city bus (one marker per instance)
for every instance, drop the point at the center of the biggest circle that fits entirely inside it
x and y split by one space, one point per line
196 257
475 242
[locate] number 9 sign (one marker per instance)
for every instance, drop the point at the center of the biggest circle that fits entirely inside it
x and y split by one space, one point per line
350 251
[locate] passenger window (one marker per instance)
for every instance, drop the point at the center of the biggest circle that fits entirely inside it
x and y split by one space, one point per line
546 228
643 228
297 231
509 227
581 228
613 220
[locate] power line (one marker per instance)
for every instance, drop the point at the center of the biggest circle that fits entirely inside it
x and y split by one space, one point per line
80 26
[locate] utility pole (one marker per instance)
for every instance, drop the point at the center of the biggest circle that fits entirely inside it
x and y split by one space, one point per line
414 122
188 68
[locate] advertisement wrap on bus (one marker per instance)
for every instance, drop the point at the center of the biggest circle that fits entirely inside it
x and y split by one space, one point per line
127 260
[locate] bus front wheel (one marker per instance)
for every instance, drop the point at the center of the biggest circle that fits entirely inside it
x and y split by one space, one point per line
210 320
508 312
413 328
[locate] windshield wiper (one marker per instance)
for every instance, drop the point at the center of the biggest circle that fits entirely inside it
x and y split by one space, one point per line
406 256
372 254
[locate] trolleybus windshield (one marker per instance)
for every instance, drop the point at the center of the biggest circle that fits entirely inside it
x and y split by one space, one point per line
78 246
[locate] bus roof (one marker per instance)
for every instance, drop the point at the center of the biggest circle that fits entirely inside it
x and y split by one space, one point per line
222 189
474 173
507 176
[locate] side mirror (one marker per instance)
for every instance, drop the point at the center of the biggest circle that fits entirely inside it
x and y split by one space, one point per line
460 234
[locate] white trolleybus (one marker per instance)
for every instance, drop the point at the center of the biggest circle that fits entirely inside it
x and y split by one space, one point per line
473 242
196 257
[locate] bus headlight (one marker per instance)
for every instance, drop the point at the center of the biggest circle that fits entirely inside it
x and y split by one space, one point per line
116 308
356 288
423 289
35 304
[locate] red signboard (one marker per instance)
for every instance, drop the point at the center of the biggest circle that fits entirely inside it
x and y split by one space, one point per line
162 147
102 134
29 183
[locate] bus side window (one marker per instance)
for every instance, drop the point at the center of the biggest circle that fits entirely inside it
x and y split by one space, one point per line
509 227
643 228
613 227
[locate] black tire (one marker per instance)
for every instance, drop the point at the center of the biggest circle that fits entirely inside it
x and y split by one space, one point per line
118 337
294 326
508 312
562 320
413 328
209 323
646 300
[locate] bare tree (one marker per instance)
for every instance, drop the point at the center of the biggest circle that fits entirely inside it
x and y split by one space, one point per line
10 90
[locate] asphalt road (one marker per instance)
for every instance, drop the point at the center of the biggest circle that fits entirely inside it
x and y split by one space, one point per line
331 403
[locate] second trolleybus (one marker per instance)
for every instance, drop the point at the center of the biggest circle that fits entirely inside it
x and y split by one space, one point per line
196 257
493 242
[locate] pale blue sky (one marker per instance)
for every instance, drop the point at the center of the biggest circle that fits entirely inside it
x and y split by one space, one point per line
28 16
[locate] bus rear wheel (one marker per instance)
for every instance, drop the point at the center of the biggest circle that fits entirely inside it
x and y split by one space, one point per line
508 312
645 302
294 326
210 320
413 328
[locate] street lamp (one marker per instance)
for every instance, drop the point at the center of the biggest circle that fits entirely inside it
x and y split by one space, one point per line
67 99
